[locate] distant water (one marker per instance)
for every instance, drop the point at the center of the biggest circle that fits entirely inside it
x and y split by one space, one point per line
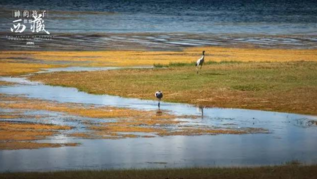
165 24
165 16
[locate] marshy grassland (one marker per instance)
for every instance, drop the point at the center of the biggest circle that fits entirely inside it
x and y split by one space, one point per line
14 136
25 135
266 79
23 143
274 86
272 172
112 123
251 78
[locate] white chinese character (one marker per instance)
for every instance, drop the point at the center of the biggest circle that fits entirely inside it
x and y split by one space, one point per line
34 13
44 13
17 13
38 24
18 27
25 13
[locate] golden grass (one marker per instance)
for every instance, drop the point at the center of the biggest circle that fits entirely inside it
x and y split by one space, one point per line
4 83
3 116
22 135
256 54
83 135
15 136
28 131
15 69
138 58
32 145
31 127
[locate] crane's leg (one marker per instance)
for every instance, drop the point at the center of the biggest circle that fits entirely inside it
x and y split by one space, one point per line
199 68
159 103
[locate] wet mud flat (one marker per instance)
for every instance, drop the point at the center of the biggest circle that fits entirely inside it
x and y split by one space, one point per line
155 41
24 120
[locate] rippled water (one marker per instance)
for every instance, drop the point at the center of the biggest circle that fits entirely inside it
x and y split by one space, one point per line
290 137
93 25
192 16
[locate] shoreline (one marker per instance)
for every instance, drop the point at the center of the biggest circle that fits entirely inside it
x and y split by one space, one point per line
291 170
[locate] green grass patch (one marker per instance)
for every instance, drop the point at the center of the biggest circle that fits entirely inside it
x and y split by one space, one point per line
172 64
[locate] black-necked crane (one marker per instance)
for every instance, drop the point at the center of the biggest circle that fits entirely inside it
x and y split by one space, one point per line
200 62
159 96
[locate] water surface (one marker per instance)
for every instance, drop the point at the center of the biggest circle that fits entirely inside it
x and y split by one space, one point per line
99 25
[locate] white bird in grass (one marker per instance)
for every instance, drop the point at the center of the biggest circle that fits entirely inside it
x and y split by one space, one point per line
200 62
159 96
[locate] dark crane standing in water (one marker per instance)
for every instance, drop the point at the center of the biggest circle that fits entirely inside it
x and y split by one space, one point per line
159 96
200 62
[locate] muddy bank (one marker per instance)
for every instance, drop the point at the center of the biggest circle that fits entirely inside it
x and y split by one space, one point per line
154 41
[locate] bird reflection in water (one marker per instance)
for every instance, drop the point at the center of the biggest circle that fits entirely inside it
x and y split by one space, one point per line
200 109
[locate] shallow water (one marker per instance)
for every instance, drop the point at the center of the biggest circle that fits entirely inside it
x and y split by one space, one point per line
174 151
290 137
